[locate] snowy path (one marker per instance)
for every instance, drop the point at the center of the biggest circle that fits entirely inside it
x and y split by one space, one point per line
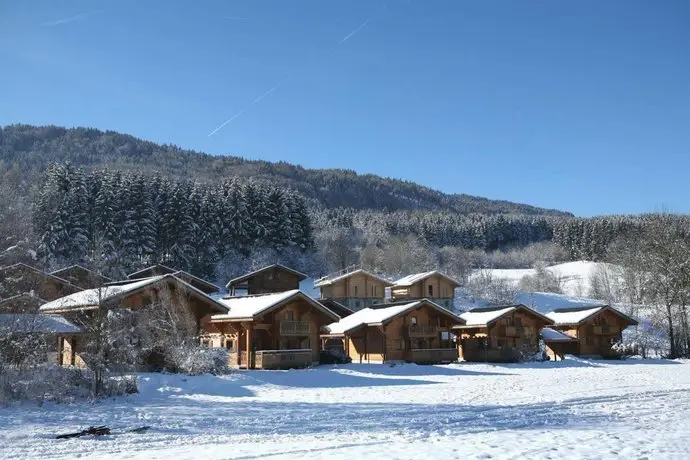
573 409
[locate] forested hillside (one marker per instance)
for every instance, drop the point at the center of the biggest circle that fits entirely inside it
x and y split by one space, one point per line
32 148
108 199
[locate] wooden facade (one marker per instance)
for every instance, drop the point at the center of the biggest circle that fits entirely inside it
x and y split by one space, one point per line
20 279
159 270
85 307
417 332
275 331
595 328
433 285
355 289
81 277
272 279
500 334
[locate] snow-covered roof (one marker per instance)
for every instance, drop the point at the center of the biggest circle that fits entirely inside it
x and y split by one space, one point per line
94 297
486 315
45 324
328 280
239 279
250 306
375 316
481 317
409 280
572 315
552 335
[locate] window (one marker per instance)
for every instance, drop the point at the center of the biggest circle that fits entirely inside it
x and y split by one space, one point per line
355 291
229 344
588 340
358 304
290 316
399 344
413 320
517 322
499 343
206 343
431 290
373 291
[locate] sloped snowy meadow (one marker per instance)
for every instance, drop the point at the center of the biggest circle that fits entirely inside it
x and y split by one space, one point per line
569 409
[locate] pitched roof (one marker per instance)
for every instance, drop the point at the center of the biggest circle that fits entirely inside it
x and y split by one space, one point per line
578 315
552 335
160 269
77 267
110 292
36 270
336 307
382 314
249 307
409 280
247 276
478 317
328 280
30 323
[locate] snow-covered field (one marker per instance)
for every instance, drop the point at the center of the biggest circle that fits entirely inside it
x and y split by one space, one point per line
569 409
575 276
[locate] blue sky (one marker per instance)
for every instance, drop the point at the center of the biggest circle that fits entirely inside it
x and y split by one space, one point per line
582 106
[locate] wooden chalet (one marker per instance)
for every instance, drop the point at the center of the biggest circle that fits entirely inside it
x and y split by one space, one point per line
81 277
158 270
595 328
271 279
354 288
432 285
21 303
500 334
270 331
404 331
24 279
82 307
53 329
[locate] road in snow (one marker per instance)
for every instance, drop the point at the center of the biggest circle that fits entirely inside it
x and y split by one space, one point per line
570 409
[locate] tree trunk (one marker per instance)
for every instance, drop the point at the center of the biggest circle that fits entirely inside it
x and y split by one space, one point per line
671 335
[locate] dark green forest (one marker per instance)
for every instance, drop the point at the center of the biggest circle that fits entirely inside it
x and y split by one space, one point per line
108 199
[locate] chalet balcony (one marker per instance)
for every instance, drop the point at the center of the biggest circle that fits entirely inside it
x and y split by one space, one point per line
606 329
273 359
423 330
433 355
294 328
492 355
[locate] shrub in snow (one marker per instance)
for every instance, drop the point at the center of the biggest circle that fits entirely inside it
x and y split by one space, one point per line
195 360
625 350
52 383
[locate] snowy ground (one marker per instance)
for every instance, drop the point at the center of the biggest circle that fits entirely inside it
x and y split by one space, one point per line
574 276
570 409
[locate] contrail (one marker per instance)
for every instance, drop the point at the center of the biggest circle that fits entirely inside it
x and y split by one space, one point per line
233 17
355 31
258 99
254 102
70 19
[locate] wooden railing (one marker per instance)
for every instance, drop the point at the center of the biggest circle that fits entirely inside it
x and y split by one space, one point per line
274 359
433 355
423 330
292 328
495 355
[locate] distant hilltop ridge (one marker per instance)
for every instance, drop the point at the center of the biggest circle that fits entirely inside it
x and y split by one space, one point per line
32 148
